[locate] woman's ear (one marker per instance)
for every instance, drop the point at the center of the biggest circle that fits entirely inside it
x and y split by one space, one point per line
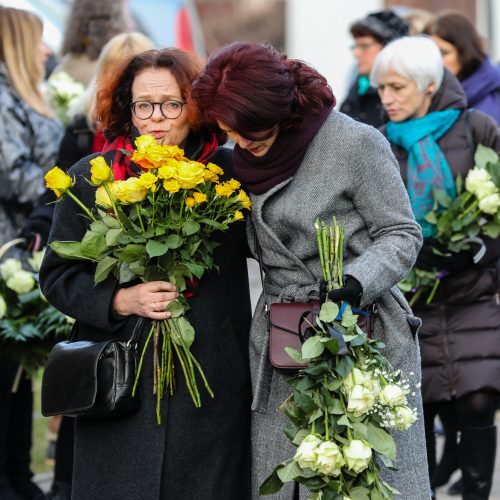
431 89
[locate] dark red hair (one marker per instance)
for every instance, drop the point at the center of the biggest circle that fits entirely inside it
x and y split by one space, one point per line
251 87
114 94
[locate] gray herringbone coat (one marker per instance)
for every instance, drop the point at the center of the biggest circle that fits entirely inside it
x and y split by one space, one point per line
348 171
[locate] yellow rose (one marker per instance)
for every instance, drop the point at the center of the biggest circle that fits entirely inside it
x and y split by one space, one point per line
212 167
190 174
190 202
238 215
100 171
199 197
149 154
168 171
58 181
209 176
102 198
244 199
234 184
131 191
171 185
148 181
224 190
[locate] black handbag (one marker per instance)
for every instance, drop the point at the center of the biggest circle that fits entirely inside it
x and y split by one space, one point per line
92 379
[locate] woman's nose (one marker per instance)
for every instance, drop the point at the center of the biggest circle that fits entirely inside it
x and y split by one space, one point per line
243 143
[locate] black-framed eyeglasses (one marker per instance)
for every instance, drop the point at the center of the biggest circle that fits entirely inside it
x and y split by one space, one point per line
170 109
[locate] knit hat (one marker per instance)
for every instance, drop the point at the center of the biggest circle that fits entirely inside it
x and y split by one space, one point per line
384 26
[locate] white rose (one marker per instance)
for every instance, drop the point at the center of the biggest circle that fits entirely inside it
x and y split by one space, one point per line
21 282
361 400
9 268
392 395
404 417
358 455
306 453
330 459
490 204
475 179
358 377
3 307
36 260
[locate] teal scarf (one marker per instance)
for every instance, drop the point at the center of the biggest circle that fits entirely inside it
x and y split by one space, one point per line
363 84
427 165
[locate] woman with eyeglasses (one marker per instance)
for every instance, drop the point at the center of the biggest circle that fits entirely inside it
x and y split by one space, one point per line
134 457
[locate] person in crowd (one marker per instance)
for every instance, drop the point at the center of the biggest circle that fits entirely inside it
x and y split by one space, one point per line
81 138
89 26
429 131
134 457
370 35
464 55
291 148
29 140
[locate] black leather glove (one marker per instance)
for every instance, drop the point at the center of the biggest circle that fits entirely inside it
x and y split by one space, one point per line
428 259
351 292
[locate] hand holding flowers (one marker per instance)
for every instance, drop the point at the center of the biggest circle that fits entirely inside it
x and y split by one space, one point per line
461 222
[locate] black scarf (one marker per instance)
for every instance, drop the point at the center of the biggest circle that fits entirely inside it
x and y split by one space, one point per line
259 174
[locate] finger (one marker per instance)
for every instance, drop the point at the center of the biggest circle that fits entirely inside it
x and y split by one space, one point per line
158 316
160 286
164 296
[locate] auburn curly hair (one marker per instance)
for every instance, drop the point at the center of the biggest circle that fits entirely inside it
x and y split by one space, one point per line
114 95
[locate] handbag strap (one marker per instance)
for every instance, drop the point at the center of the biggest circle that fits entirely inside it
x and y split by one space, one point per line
132 340
261 268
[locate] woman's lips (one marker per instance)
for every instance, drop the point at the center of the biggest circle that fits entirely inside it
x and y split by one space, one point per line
158 133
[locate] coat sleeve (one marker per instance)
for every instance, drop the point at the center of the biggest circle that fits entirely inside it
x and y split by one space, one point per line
380 198
485 130
69 284
21 178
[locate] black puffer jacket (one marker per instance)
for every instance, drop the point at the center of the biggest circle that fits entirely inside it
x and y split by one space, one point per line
365 108
460 336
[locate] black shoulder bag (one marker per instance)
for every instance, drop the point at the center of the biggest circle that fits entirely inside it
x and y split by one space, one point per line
92 379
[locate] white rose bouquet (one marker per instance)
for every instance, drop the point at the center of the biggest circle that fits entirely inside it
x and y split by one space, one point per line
29 325
343 402
462 221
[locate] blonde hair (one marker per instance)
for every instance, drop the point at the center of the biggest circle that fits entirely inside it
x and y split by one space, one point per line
20 37
117 52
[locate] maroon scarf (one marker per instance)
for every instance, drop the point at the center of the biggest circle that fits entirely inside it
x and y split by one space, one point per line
259 174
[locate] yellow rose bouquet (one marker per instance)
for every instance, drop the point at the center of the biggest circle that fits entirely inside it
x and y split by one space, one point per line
158 226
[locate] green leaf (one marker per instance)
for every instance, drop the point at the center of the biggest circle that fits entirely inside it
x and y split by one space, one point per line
336 407
431 217
99 227
344 420
93 245
360 430
381 441
69 250
344 366
186 330
176 308
174 241
210 222
104 267
294 354
155 248
329 311
272 484
312 347
190 227
125 274
442 198
484 155
112 236
376 494
196 269
492 230
111 222
288 472
359 493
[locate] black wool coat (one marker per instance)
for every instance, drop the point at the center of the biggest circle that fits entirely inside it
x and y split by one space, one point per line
365 108
194 453
460 334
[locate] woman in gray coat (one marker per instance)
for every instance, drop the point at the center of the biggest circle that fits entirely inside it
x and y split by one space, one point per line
301 160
